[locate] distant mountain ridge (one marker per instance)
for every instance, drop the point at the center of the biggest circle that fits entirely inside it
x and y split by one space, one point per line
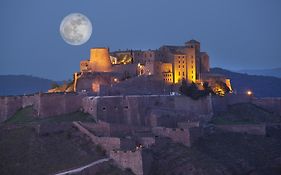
23 84
262 86
275 72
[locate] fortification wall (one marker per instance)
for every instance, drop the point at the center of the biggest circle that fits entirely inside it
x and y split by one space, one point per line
135 109
270 104
175 134
9 106
220 104
99 129
107 143
58 104
29 100
138 161
254 129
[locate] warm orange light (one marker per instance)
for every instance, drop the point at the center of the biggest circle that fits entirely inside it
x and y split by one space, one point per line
249 93
115 79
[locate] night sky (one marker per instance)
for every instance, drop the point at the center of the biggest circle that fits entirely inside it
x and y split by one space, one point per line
237 34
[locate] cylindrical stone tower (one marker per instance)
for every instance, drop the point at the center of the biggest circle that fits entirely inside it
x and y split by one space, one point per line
100 60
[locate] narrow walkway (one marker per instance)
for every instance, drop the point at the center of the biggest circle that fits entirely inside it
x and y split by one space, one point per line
84 167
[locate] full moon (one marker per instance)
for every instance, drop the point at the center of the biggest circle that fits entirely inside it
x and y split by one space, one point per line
76 29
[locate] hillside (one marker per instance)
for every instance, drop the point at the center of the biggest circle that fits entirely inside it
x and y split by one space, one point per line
262 86
276 72
22 84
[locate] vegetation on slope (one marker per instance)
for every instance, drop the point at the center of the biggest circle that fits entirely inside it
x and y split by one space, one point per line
25 115
244 113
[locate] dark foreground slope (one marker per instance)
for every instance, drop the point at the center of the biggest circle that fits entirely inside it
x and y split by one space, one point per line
54 147
220 153
262 86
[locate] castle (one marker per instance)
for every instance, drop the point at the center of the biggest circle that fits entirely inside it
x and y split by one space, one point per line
169 65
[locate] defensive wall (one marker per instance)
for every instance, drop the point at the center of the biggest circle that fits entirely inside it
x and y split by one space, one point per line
253 129
185 136
139 161
107 143
220 104
9 106
102 128
135 109
44 105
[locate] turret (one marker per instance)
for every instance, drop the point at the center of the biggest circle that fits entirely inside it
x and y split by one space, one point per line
100 60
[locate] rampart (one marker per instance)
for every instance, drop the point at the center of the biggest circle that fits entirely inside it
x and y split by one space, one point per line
138 161
177 135
253 129
107 143
135 109
220 104
45 105
9 106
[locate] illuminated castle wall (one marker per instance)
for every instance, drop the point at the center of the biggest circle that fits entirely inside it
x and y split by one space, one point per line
172 64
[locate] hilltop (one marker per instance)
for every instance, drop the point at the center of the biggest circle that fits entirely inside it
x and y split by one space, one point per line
262 86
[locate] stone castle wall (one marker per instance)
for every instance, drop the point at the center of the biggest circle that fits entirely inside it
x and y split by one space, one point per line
9 106
177 135
45 105
57 104
107 143
135 109
220 104
138 161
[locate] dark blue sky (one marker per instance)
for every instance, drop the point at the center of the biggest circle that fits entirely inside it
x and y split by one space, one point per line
237 34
